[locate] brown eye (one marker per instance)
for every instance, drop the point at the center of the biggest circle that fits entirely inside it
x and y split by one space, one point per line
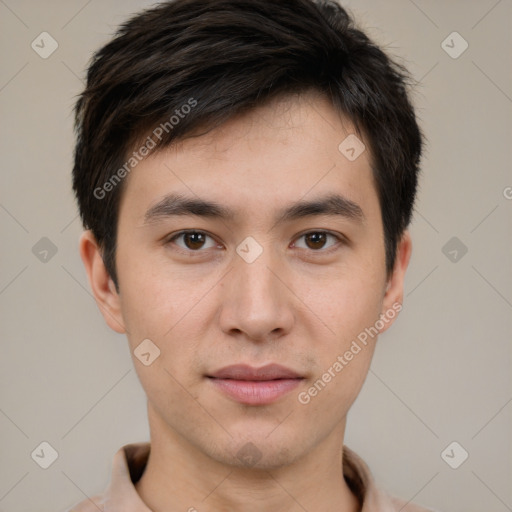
193 240
315 240
318 240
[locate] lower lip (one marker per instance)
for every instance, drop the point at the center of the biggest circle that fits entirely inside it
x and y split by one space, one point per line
252 392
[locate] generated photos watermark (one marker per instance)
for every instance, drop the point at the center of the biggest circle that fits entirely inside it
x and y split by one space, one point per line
304 397
145 149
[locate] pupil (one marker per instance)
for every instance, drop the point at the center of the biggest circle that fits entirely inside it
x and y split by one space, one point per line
317 239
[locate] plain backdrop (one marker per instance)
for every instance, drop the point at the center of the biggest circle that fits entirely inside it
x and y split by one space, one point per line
440 375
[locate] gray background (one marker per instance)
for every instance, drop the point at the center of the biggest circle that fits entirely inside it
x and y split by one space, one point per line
440 374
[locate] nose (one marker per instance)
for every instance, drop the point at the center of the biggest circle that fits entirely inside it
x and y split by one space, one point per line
257 303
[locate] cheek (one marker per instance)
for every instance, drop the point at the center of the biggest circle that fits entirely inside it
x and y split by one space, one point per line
349 308
348 304
170 313
152 298
332 391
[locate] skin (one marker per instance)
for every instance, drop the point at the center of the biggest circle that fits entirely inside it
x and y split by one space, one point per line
299 304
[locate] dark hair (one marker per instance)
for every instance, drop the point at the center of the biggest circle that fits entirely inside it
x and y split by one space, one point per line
220 58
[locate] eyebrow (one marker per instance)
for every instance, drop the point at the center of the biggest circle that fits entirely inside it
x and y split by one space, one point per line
176 204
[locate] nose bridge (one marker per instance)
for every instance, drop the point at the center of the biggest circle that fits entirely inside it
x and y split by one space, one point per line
256 302
257 281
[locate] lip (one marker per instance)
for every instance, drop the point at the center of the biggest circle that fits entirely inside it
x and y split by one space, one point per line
255 386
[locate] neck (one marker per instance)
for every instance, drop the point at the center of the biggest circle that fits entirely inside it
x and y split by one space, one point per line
180 477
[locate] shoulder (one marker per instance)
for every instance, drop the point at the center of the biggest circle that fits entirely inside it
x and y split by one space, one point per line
405 506
93 504
373 498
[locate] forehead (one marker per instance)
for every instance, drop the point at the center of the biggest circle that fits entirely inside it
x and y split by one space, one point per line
285 150
288 120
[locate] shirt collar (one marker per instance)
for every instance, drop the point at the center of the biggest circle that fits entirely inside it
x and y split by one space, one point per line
130 461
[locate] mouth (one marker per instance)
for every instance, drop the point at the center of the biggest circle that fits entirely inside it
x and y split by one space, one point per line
255 386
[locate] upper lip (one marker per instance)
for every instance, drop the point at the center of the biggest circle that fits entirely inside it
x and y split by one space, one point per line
246 372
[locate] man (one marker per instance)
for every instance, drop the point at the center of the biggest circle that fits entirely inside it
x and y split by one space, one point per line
246 171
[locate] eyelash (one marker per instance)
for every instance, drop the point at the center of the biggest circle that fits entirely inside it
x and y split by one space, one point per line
340 240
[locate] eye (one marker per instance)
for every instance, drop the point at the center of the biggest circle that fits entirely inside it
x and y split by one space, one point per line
192 240
197 241
316 240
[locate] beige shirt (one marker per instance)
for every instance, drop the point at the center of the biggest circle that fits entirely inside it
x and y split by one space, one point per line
130 461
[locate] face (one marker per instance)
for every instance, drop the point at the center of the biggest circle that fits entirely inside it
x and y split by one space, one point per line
283 264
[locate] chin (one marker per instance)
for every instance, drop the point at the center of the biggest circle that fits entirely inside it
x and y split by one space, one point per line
259 451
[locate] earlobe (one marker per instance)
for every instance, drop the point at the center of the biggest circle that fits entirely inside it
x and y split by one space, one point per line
101 283
394 294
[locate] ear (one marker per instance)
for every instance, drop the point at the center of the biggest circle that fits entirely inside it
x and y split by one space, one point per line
101 283
394 294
